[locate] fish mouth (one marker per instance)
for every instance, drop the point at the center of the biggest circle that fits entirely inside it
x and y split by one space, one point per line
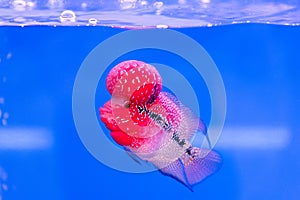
107 118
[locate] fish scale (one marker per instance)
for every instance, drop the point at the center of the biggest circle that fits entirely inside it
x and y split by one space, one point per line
181 122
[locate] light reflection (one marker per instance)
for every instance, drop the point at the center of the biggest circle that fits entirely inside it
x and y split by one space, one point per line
254 138
25 139
205 1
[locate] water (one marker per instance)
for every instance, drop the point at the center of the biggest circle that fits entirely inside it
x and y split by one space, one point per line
41 154
173 13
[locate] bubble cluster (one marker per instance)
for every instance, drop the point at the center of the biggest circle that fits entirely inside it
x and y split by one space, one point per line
127 4
3 180
21 5
3 114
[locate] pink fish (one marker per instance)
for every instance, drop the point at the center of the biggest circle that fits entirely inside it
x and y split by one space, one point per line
154 125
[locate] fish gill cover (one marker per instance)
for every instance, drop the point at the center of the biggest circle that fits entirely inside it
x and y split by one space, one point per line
147 13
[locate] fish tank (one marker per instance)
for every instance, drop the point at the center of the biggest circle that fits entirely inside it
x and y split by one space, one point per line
223 88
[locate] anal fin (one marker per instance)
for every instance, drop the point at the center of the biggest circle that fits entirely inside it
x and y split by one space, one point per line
194 166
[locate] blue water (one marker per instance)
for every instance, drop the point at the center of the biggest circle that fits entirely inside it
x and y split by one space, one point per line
43 157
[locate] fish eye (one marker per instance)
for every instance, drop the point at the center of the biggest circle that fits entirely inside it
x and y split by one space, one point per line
127 105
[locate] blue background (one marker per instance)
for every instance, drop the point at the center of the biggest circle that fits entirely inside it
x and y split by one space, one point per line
260 68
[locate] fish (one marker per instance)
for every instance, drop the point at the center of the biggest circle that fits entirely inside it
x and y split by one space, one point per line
154 125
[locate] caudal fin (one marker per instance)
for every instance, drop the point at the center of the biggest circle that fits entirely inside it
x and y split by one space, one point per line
194 166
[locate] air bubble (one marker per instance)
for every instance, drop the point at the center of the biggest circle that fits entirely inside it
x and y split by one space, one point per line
93 21
143 3
181 2
158 4
5 115
20 19
8 56
4 122
55 4
19 5
30 4
67 16
83 5
4 187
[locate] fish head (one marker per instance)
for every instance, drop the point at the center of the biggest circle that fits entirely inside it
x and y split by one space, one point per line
132 84
134 81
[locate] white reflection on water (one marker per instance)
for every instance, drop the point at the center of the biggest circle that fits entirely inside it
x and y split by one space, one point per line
254 138
25 138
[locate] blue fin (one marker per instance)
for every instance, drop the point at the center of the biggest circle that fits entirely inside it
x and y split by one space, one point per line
133 156
175 170
203 129
194 166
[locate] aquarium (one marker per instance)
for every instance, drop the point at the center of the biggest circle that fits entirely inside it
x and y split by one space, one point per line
232 64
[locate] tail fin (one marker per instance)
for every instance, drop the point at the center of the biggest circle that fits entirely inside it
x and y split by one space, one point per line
194 166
